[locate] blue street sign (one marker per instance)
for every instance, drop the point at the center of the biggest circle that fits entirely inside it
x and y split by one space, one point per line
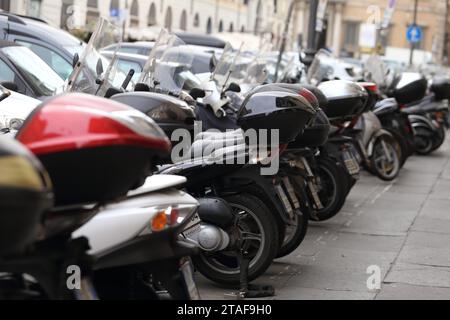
414 34
114 13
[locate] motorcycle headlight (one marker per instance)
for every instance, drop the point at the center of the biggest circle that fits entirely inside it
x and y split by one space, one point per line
16 124
168 217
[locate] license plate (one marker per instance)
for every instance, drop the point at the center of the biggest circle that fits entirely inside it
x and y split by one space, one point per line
195 222
351 163
188 275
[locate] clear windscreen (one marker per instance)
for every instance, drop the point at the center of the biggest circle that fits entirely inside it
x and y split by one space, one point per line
251 68
319 69
161 44
226 66
375 70
169 69
94 73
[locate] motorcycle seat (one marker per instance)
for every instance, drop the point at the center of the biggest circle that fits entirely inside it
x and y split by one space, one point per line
423 109
386 106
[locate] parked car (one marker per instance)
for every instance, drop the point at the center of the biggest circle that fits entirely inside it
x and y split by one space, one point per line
14 109
141 48
55 46
21 70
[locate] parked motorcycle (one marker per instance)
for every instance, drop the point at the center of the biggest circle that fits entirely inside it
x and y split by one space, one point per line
349 108
57 133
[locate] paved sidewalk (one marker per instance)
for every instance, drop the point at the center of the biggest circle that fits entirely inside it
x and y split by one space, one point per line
402 227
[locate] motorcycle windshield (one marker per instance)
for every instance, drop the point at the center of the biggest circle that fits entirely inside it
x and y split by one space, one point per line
251 69
161 44
376 70
94 73
226 66
320 68
169 70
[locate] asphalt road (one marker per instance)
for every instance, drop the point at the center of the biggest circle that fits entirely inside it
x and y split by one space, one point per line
402 228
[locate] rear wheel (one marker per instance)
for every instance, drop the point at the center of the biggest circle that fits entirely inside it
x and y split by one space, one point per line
259 231
333 188
294 236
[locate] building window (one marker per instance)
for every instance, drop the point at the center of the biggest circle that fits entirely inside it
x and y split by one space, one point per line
66 13
351 36
196 21
183 21
92 14
221 26
134 14
231 29
168 19
209 26
34 8
5 5
152 15
259 17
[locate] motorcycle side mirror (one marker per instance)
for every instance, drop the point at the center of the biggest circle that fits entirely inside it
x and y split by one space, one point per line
128 79
197 93
76 59
112 92
213 62
141 87
10 86
99 67
234 87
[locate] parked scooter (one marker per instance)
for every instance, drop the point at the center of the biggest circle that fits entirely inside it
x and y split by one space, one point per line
80 188
349 106
426 113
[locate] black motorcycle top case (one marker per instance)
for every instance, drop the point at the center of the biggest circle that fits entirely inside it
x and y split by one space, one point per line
168 112
346 99
409 87
441 88
287 112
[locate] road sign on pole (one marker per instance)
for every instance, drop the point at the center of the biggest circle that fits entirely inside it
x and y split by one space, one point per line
414 34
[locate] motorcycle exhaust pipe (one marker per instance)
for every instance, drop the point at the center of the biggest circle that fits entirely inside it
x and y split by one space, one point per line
215 215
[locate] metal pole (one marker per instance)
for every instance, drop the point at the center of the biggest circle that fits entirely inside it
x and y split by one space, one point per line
446 35
413 45
125 21
285 36
311 50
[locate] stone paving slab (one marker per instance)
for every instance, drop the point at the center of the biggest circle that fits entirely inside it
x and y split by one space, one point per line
399 291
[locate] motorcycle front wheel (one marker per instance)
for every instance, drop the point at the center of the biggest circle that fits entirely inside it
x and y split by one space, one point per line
257 227
385 161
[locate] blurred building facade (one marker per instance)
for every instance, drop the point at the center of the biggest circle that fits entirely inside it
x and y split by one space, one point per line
343 20
201 16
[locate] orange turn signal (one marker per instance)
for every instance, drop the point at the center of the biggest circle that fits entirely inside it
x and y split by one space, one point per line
159 222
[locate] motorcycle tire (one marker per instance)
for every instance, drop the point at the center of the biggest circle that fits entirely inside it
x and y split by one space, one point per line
392 144
337 180
223 267
295 236
403 147
423 142
440 138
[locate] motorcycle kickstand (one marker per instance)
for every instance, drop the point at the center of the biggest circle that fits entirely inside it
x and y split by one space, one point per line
247 290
